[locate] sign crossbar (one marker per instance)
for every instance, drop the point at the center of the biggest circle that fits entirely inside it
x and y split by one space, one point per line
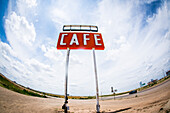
80 28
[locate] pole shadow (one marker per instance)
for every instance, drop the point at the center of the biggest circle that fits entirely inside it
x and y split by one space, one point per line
120 110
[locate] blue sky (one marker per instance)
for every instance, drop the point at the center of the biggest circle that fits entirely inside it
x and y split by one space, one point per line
3 7
136 35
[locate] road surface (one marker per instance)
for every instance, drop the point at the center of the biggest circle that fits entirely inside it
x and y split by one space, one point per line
150 101
143 92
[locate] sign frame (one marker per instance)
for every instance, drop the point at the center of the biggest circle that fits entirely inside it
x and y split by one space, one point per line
96 43
80 40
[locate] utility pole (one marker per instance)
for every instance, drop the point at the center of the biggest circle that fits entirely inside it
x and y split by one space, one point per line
163 72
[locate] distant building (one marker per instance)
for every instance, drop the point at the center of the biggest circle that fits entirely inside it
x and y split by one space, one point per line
152 82
168 73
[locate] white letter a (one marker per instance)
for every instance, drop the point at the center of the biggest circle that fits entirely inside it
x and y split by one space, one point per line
74 40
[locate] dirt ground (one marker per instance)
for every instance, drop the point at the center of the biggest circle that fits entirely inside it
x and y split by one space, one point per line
156 100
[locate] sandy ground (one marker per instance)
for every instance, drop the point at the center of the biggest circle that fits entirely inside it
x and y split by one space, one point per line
156 100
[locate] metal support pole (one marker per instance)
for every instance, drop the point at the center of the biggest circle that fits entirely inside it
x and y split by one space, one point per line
114 95
97 89
65 107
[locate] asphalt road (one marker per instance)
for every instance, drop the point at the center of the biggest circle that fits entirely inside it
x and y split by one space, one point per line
143 92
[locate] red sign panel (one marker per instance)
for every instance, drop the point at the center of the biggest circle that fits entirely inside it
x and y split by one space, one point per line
80 40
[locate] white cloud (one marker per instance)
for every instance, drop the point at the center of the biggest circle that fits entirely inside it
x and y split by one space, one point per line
7 50
28 71
31 3
129 43
137 46
43 48
28 3
27 9
20 29
20 34
72 12
54 54
14 68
